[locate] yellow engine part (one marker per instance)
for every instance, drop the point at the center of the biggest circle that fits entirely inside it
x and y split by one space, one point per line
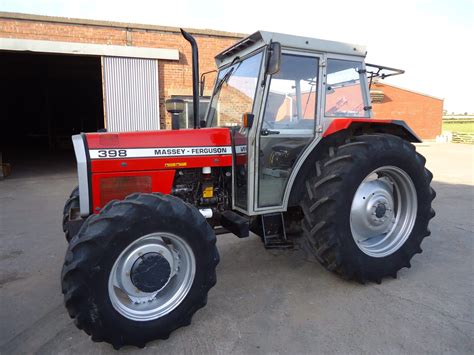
208 192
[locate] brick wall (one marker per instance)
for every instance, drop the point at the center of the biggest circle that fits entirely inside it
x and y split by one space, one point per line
175 77
233 103
421 112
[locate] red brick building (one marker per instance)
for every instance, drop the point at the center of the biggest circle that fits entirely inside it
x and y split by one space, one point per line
422 112
62 75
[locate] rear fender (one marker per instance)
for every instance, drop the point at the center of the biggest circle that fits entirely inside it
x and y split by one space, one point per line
356 127
338 131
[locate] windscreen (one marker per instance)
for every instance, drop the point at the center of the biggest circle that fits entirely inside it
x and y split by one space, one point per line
234 92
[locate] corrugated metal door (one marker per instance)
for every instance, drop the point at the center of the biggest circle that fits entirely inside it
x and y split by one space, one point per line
130 94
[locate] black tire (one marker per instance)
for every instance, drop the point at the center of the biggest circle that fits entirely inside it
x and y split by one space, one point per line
104 236
72 202
327 204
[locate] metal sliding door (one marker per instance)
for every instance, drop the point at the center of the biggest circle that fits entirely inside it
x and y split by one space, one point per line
131 99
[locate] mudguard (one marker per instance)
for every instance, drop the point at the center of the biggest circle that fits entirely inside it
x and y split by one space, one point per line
361 125
339 129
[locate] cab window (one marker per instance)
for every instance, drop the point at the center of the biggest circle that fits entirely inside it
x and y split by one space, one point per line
344 96
291 101
288 125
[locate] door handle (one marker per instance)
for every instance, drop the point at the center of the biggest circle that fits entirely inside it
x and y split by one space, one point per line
267 132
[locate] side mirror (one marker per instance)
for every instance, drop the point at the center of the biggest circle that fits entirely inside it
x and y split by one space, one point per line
274 58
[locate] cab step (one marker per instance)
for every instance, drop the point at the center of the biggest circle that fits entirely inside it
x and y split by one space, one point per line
274 233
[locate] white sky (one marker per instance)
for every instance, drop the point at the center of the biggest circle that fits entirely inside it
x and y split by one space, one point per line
433 40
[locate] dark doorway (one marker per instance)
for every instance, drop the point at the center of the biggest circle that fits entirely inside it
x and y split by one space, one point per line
46 98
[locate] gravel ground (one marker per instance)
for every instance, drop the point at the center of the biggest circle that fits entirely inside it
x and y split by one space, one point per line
264 301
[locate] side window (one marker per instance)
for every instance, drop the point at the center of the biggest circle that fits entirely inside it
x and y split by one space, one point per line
343 89
291 101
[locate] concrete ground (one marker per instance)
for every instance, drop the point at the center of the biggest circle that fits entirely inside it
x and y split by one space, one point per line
264 301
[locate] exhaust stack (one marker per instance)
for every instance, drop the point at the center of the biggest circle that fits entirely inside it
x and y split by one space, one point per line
195 59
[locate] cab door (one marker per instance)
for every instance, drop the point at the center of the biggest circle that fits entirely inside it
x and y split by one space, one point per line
243 95
289 117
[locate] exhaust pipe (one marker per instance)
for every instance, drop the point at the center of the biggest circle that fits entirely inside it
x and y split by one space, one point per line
194 47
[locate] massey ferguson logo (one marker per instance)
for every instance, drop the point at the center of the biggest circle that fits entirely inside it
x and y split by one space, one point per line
170 151
191 151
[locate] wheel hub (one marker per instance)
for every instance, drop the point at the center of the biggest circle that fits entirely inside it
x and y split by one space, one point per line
150 272
383 211
372 209
151 276
380 210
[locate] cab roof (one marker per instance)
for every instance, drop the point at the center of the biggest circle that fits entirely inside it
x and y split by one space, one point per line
292 42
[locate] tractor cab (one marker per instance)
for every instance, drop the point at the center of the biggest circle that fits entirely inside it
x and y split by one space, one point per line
279 93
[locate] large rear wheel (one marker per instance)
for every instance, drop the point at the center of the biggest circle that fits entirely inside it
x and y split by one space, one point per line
367 207
139 269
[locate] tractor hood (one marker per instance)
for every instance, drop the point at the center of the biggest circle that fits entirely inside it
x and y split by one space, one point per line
158 149
128 158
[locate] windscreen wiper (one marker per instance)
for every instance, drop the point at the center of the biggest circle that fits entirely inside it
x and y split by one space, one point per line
224 79
227 75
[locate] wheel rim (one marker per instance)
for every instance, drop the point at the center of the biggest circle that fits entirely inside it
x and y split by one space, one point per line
383 211
162 291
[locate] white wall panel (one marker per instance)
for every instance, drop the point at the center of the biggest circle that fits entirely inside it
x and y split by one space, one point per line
131 94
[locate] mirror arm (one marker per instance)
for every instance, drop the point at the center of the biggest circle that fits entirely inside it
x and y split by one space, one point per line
269 55
203 81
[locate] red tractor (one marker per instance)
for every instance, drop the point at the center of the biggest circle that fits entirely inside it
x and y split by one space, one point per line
288 151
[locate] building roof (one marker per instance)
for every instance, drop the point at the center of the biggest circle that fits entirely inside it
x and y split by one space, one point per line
113 24
409 90
296 42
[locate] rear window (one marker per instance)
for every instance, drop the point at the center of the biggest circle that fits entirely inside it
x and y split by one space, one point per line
344 96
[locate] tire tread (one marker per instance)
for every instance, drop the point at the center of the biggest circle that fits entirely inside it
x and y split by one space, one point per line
324 185
85 253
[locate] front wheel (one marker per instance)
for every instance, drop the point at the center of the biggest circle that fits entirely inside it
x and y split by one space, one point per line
139 269
367 207
72 202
